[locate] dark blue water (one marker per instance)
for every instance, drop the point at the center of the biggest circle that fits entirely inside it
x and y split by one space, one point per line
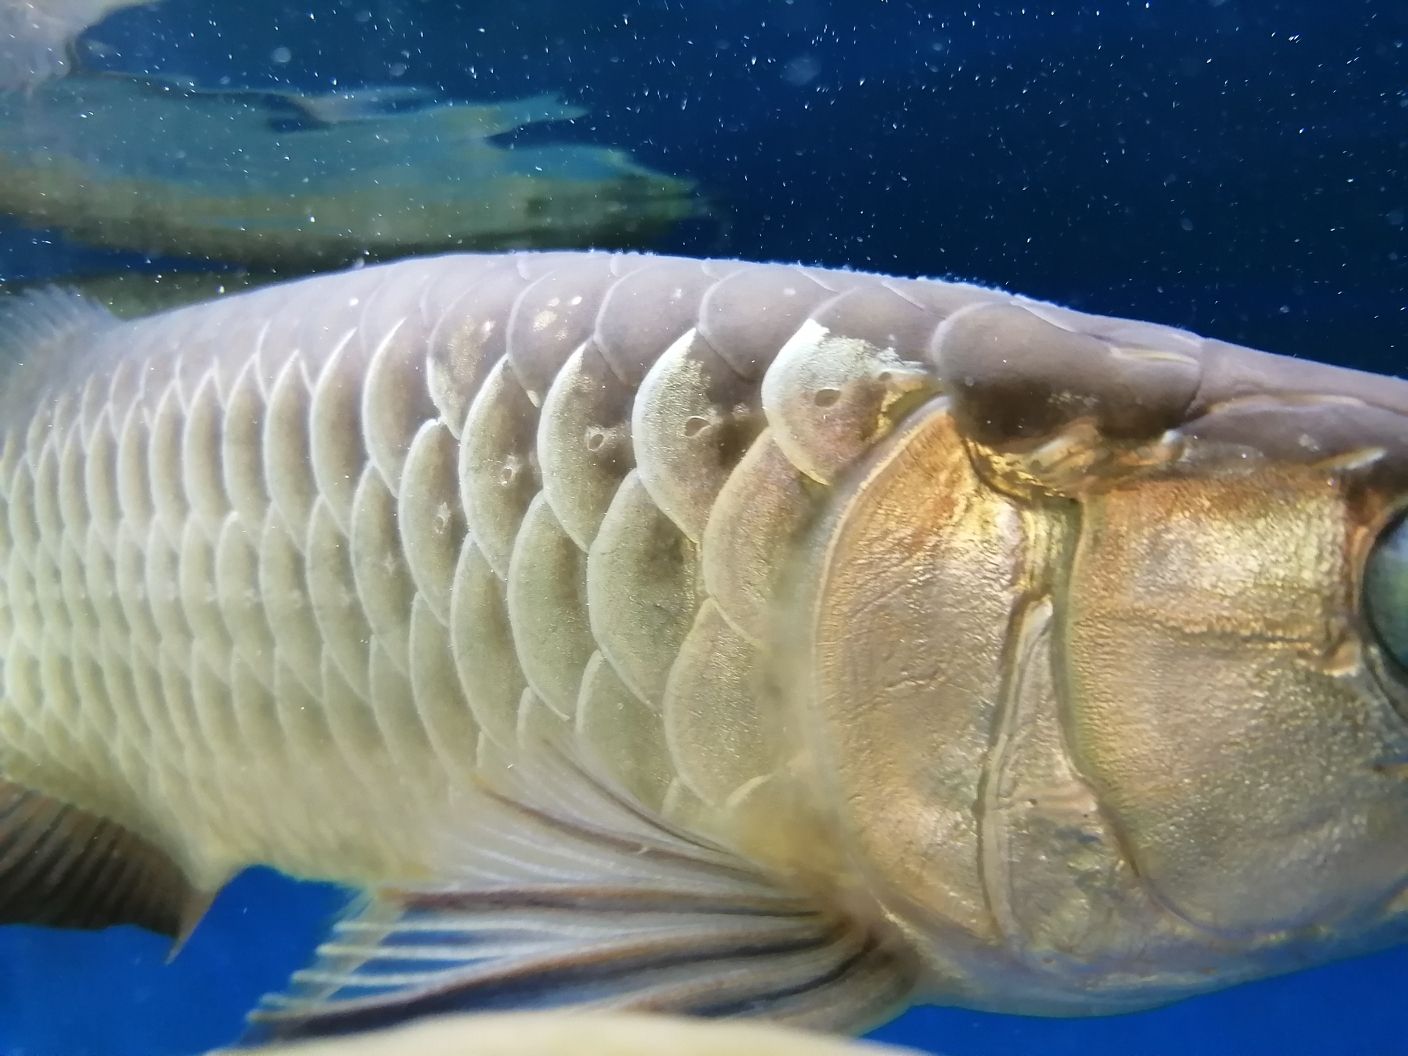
1236 167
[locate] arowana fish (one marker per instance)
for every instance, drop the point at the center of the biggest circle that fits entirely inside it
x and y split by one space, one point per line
323 180
708 637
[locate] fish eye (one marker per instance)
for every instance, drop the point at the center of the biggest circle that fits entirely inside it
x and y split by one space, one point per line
1386 589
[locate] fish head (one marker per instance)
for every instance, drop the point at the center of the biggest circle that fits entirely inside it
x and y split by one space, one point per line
1109 659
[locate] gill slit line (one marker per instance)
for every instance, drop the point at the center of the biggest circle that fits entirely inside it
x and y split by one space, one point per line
1122 844
1013 664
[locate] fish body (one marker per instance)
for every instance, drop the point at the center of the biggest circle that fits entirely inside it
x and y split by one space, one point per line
963 647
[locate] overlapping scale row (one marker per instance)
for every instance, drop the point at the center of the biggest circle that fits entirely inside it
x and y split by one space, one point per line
335 543
646 437
205 587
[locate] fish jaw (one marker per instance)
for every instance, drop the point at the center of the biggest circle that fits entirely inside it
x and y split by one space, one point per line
1092 683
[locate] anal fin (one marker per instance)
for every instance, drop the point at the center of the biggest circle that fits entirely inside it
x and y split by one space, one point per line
63 867
573 896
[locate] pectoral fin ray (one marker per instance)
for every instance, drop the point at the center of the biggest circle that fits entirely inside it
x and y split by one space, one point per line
572 895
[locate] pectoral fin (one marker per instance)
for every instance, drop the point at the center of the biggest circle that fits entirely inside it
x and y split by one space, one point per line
573 896
65 868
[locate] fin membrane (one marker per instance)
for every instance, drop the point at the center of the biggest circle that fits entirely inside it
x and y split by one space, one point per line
65 868
579 898
42 322
41 334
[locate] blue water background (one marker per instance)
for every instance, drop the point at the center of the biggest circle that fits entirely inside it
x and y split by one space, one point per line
1236 167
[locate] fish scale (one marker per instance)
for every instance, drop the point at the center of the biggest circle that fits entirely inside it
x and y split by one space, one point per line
591 429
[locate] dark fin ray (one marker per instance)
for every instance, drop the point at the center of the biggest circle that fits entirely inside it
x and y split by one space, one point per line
571 895
63 867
